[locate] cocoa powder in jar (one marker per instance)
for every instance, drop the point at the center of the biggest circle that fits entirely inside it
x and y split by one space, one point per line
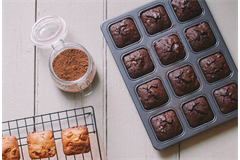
70 65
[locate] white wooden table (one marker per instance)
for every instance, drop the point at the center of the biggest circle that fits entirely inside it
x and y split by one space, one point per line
28 88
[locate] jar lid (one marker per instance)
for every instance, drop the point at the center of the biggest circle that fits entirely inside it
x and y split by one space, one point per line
48 31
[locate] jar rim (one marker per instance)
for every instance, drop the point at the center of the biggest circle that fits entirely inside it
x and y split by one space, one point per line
59 49
48 31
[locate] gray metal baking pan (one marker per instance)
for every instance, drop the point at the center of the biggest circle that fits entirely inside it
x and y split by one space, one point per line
192 58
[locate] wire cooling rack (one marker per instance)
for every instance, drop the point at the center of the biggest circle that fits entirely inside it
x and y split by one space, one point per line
55 122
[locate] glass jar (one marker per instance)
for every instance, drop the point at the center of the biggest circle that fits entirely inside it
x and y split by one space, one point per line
49 32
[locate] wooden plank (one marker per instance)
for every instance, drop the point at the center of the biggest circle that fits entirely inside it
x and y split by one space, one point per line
126 136
18 59
220 142
225 14
83 19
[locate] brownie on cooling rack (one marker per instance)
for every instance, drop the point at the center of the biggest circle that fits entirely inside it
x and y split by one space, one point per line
75 140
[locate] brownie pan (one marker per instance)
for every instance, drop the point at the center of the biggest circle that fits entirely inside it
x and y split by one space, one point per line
176 97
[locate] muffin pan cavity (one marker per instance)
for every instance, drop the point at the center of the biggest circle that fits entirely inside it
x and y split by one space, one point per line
200 37
198 112
183 81
169 49
155 20
215 67
152 94
186 9
124 32
166 125
227 98
138 63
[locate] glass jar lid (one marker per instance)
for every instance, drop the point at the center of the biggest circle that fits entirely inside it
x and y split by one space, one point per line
48 31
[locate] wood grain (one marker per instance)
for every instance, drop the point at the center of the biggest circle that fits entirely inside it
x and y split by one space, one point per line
83 19
119 124
18 59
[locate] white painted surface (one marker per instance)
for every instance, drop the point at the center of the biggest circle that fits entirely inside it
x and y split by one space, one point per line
18 59
119 125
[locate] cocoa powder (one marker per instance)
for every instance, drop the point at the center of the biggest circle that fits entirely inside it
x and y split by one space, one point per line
70 64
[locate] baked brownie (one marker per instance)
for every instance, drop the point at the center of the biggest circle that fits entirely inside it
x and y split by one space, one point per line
184 80
75 140
200 37
155 20
227 98
186 9
10 150
166 125
215 67
124 33
197 112
152 94
169 49
41 144
138 63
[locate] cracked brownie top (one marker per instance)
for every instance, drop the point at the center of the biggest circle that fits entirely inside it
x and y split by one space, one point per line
138 63
166 125
200 37
215 67
227 98
169 49
184 80
152 94
124 33
186 9
155 20
197 112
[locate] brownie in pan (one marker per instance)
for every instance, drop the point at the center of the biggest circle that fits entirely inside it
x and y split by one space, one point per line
124 33
184 80
152 94
169 49
227 98
166 125
198 112
138 63
155 20
215 67
200 37
186 9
